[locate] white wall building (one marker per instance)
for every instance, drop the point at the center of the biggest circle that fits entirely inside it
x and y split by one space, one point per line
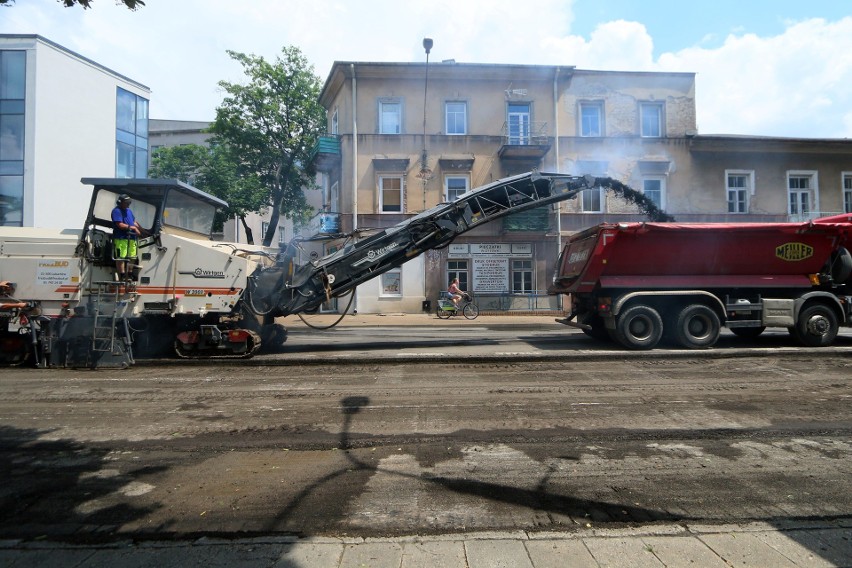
63 117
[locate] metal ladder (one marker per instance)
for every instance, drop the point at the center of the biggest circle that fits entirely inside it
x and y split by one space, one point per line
106 320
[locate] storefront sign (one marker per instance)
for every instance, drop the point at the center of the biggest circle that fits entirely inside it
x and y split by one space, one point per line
490 274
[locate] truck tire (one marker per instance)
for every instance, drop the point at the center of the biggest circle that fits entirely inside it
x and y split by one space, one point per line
697 327
639 327
817 326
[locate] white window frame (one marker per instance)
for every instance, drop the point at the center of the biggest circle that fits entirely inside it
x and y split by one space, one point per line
519 124
381 190
588 194
524 270
812 192
596 106
464 177
747 191
388 280
282 236
645 126
335 121
264 226
662 180
447 123
386 105
459 268
846 188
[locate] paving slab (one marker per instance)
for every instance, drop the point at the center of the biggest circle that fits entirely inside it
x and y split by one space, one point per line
497 554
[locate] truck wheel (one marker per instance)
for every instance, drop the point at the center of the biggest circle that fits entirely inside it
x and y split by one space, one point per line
697 327
639 327
817 326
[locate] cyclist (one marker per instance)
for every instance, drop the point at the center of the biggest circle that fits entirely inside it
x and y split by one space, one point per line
455 292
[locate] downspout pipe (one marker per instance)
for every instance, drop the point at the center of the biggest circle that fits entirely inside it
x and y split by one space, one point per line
556 155
354 301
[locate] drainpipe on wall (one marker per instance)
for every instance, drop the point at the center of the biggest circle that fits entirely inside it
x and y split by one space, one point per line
556 152
354 306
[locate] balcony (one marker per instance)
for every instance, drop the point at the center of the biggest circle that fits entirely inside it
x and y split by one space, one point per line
524 141
326 153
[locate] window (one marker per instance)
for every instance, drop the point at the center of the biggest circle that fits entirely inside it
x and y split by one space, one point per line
392 282
455 186
801 194
390 117
390 194
282 237
12 91
131 135
522 277
592 200
456 113
739 187
651 120
458 269
655 190
264 226
518 121
847 192
334 122
591 119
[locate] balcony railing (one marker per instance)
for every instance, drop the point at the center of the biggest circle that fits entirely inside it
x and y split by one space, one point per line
524 134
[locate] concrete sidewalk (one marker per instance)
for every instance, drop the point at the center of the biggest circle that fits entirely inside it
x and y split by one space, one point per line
759 545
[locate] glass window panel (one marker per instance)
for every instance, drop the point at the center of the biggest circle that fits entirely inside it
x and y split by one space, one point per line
11 201
142 119
651 116
13 74
392 283
12 107
653 190
125 137
590 120
12 137
124 156
15 167
456 118
390 118
125 111
456 186
141 165
190 213
391 194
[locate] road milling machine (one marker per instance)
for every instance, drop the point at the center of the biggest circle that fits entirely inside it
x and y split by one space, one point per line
61 304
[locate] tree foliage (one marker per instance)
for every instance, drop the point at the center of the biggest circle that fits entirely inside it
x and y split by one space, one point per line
272 123
215 170
86 4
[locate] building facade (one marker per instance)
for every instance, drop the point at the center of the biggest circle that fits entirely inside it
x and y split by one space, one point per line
408 141
63 117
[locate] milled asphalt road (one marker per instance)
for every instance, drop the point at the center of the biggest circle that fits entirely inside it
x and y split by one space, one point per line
806 544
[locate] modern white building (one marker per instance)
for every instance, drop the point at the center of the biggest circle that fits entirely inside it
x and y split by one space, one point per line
63 117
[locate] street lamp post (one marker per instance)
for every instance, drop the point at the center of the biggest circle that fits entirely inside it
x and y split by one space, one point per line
425 172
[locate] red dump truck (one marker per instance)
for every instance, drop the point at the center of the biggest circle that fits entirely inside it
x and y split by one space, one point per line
640 283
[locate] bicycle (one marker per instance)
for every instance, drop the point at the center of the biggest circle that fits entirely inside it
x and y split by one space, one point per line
446 308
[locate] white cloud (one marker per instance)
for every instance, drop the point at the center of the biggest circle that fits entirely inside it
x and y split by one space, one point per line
791 84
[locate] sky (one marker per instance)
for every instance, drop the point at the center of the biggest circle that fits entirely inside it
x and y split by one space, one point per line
763 67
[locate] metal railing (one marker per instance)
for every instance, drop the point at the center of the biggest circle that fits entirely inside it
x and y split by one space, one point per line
529 134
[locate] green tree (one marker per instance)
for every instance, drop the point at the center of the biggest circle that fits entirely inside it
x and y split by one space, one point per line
213 169
272 124
86 4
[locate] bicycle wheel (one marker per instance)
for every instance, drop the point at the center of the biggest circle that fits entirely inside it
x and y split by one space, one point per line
442 313
471 311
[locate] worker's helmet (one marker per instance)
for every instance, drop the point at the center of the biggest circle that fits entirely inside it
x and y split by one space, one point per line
123 198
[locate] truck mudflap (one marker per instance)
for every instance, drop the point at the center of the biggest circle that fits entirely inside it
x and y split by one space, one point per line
210 342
